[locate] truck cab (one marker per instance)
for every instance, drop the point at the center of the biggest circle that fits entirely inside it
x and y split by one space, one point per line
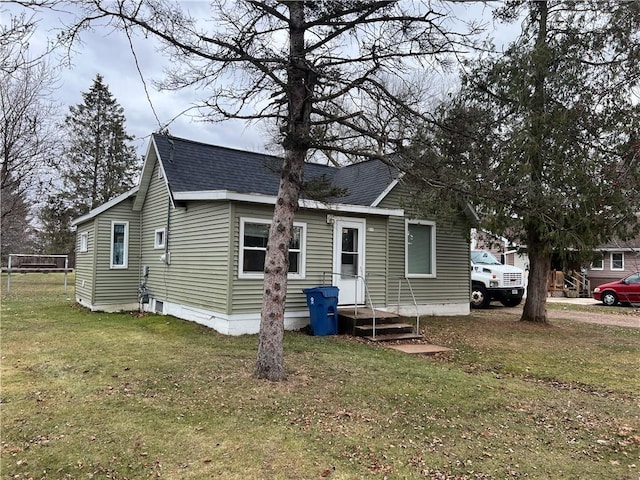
491 280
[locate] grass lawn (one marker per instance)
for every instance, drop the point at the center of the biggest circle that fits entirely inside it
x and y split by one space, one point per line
94 395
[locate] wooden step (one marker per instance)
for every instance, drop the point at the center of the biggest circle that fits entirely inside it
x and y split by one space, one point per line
349 318
389 337
383 328
364 314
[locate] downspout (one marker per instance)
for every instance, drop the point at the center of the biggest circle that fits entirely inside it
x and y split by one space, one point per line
167 257
140 266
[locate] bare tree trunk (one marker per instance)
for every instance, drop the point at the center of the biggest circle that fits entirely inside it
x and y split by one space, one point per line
535 306
270 362
300 83
539 252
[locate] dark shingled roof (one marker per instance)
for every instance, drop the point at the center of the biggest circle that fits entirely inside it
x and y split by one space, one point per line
192 166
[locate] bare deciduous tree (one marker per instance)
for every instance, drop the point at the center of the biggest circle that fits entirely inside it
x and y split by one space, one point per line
307 68
27 125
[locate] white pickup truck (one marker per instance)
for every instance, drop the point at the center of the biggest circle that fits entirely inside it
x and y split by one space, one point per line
491 280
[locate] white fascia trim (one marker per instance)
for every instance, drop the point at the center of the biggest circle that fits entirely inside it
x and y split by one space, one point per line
386 191
144 176
360 209
104 207
147 170
271 200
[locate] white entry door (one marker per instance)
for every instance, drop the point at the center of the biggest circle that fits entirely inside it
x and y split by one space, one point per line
348 260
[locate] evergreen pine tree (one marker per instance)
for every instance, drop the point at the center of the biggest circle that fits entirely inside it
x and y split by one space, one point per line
543 139
99 161
55 235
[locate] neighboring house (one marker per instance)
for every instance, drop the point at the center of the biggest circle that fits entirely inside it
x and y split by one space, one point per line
507 252
194 232
614 260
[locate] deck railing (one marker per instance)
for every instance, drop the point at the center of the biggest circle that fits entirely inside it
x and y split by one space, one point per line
580 283
369 301
367 294
413 297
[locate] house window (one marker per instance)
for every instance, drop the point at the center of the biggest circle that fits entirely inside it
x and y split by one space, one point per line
119 244
159 238
84 242
617 261
254 235
598 262
420 249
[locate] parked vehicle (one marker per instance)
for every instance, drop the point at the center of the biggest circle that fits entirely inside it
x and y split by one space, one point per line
625 290
491 280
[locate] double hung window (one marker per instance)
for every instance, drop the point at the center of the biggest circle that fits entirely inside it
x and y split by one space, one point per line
254 234
617 260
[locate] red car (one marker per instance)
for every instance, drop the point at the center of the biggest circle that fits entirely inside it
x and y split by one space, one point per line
626 290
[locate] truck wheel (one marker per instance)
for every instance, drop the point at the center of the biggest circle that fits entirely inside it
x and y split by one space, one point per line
479 297
511 302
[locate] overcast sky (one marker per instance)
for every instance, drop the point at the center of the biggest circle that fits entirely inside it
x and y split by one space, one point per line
108 53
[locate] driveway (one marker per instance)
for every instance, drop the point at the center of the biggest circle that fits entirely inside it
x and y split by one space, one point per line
630 316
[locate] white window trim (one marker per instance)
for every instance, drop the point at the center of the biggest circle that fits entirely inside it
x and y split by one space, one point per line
156 244
125 263
407 222
260 275
611 254
84 242
601 264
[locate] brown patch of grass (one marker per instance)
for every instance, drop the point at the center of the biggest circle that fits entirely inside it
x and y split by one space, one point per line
91 395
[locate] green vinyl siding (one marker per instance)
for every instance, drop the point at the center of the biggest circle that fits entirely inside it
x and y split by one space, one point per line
197 239
247 292
376 259
451 283
85 263
117 285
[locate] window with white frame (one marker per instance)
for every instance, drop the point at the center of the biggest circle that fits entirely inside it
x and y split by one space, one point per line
617 260
119 244
254 234
420 249
84 242
159 238
598 261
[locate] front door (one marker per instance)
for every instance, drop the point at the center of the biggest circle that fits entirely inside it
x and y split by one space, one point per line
348 260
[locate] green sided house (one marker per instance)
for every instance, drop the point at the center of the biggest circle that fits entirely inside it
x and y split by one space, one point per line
193 235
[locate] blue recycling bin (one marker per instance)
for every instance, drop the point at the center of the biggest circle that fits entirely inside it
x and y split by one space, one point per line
323 309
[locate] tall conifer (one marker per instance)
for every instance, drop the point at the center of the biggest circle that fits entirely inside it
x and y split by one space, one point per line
99 161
